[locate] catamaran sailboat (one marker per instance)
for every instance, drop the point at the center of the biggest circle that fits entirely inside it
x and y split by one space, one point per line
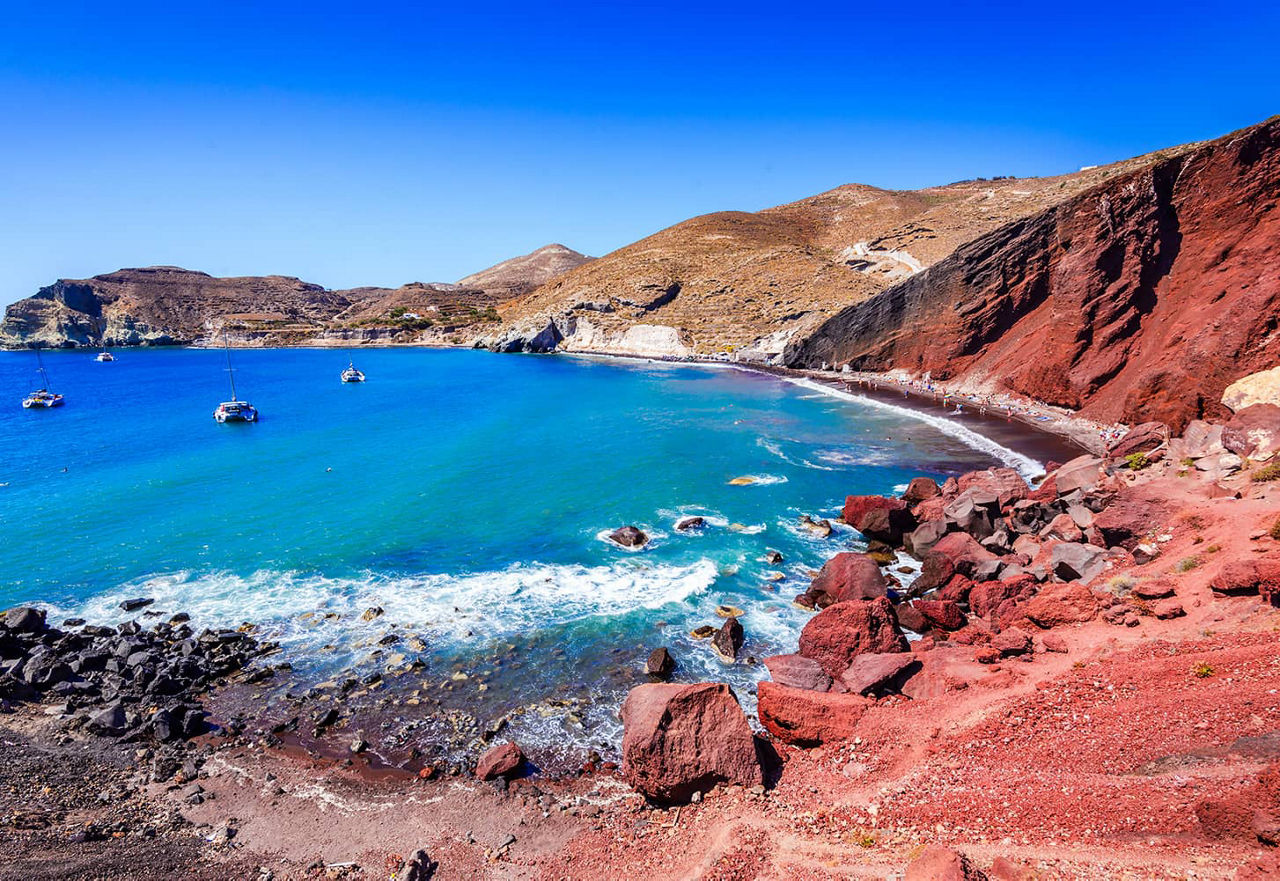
234 410
351 374
104 355
42 397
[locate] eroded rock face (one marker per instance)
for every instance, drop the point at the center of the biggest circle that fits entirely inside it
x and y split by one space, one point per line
836 635
1140 300
682 739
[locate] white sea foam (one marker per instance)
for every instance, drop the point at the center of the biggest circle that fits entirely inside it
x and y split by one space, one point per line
776 448
290 607
1024 465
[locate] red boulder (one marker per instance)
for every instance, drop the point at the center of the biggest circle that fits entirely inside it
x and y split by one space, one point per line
986 597
943 614
797 671
503 760
963 550
1005 483
808 718
877 673
846 576
682 739
1061 604
938 863
855 507
920 489
838 634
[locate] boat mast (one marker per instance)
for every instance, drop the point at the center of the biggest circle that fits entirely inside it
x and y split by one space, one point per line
230 370
43 374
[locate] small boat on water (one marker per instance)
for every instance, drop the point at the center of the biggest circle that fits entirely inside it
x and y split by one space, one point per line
351 374
42 398
104 356
234 410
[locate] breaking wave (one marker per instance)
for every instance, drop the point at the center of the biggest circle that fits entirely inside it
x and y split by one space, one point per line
1024 465
306 611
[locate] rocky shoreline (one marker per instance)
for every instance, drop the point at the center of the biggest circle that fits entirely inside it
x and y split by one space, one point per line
1050 626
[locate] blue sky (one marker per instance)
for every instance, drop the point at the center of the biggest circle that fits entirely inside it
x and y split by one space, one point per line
382 143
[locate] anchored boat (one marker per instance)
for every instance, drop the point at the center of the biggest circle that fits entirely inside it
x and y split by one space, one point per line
234 410
104 356
42 398
351 374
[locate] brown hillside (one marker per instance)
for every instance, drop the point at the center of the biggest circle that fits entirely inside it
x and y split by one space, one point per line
731 278
520 275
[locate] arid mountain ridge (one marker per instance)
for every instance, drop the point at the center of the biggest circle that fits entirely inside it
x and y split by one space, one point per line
168 305
751 282
727 281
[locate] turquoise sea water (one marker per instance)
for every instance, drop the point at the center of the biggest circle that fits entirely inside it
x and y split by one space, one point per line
464 493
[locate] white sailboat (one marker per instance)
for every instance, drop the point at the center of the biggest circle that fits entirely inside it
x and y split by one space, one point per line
42 398
234 410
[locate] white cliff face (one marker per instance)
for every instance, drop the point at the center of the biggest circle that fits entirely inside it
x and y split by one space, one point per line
650 340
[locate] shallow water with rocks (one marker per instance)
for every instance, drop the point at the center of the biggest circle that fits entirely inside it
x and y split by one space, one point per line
431 549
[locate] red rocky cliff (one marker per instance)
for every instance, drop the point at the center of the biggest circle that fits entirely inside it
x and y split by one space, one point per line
1138 300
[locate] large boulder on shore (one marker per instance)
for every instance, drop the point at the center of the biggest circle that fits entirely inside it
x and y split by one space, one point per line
876 674
923 538
1127 520
856 507
1007 485
846 576
808 718
682 739
886 525
797 671
920 489
1077 562
839 633
1081 473
504 760
24 619
1061 604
